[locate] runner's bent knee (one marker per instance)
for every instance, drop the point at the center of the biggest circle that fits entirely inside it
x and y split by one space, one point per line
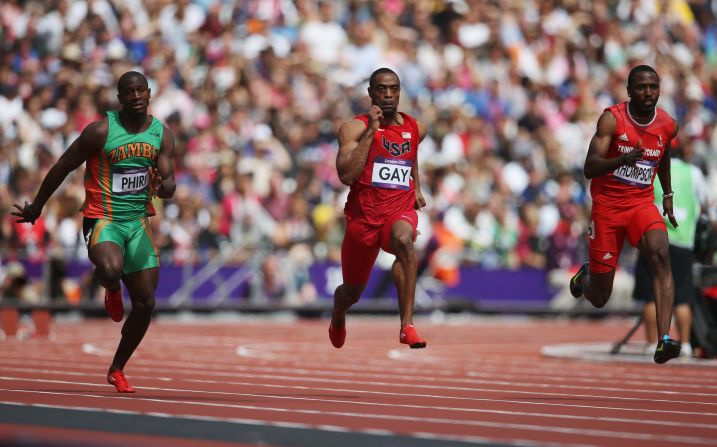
600 300
659 259
353 292
144 305
600 291
109 268
403 243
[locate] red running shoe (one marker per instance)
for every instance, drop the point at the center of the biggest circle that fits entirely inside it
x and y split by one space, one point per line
113 304
337 336
410 337
118 379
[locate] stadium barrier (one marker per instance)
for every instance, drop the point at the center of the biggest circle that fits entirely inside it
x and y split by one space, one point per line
217 284
210 284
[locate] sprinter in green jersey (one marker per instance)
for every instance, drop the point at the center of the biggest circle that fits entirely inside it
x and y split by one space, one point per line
129 159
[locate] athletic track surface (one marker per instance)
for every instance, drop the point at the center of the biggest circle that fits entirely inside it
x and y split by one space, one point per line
279 382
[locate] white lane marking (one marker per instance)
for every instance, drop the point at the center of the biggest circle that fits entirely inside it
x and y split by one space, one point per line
423 396
422 407
637 421
283 352
546 375
431 396
275 376
92 373
400 418
259 351
460 381
425 373
485 364
92 349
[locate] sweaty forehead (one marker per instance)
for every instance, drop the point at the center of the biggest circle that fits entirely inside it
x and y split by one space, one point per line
386 79
645 77
131 83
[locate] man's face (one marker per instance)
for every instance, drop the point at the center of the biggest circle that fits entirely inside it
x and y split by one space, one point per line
385 92
134 95
644 91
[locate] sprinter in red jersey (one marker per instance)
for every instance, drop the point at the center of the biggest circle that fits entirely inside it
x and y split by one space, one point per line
378 159
631 146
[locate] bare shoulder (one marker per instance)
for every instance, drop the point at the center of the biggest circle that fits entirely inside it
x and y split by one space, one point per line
94 135
167 134
351 130
422 130
97 129
606 123
353 124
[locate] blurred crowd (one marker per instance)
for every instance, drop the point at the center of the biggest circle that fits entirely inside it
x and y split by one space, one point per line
255 91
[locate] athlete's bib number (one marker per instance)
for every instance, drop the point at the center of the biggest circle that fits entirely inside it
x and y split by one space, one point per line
639 175
129 180
391 173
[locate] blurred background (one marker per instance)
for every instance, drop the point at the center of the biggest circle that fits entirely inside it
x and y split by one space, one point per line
255 92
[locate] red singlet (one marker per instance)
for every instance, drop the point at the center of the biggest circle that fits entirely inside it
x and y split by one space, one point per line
623 200
383 194
627 187
385 185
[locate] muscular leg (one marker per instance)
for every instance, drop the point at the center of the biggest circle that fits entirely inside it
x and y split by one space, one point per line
357 258
141 286
345 296
403 270
108 260
654 245
597 287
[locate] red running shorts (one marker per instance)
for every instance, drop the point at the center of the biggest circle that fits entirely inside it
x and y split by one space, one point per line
608 228
362 242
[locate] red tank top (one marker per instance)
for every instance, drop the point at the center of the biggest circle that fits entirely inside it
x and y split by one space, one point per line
629 186
385 186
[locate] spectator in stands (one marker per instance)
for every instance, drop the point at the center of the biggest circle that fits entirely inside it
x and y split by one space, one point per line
494 84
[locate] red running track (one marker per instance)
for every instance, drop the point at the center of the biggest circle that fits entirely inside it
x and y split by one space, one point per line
278 382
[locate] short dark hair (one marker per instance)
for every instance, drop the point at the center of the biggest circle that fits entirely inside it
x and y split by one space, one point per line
640 69
129 76
379 71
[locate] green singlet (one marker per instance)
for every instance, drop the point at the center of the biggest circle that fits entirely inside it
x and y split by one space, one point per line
117 195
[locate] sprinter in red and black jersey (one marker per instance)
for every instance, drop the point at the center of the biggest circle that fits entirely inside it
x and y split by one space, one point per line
378 159
631 146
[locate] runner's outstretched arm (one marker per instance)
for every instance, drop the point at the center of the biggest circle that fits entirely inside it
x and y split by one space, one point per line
88 143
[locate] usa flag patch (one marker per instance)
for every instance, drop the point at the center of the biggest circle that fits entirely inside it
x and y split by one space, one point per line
406 134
